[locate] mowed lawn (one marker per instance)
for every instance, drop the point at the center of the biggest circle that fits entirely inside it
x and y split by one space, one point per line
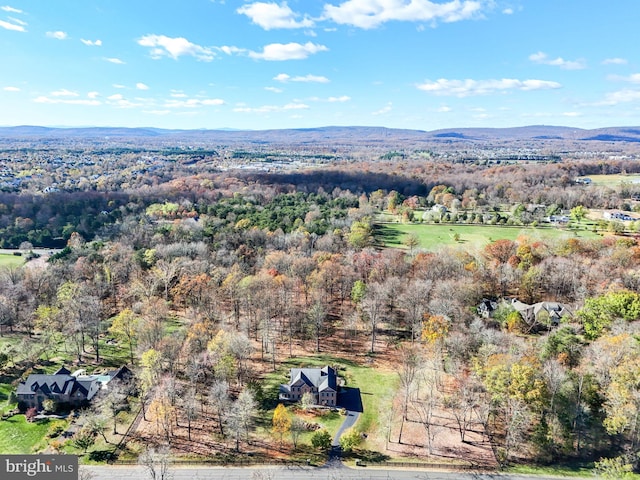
436 236
614 179
19 436
7 260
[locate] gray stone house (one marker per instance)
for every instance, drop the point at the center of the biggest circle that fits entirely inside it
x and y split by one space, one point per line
65 388
322 383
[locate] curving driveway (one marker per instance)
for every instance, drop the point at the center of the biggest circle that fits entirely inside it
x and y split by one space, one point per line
349 422
351 401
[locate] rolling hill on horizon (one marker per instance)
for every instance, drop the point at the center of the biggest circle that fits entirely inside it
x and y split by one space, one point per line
338 134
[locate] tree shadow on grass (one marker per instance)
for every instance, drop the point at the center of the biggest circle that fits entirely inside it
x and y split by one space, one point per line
385 235
101 455
368 456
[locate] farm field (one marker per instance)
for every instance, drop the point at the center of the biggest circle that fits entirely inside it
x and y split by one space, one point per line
436 236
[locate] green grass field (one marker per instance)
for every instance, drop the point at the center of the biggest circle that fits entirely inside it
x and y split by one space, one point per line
436 236
17 436
614 180
7 260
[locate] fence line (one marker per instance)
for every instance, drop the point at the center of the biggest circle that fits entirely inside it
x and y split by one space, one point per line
440 466
217 461
132 427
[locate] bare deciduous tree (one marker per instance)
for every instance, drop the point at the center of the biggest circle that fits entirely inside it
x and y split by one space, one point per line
219 402
157 463
373 306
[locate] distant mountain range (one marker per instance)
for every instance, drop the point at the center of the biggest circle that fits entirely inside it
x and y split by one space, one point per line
334 134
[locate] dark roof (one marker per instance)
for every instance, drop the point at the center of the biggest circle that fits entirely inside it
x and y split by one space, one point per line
62 371
48 384
321 378
123 373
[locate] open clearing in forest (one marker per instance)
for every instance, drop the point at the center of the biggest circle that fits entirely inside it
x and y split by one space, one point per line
614 179
436 236
7 260
376 386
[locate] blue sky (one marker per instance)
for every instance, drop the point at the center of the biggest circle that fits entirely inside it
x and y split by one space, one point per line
415 64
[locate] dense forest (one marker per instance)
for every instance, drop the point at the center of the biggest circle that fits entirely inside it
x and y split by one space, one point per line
48 219
249 267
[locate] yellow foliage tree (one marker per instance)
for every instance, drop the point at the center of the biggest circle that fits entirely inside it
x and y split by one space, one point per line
435 329
281 422
125 327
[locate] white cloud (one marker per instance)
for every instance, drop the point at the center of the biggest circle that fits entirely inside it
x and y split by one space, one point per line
93 94
571 114
273 89
271 108
163 46
287 51
542 58
178 94
117 85
271 15
231 50
142 86
117 100
341 99
11 26
615 61
74 101
11 89
58 35
508 11
283 77
18 21
117 61
633 78
64 93
91 43
383 110
373 13
469 87
9 9
157 112
194 103
621 96
444 109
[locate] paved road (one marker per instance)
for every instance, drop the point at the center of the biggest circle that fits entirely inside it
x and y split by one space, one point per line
297 473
